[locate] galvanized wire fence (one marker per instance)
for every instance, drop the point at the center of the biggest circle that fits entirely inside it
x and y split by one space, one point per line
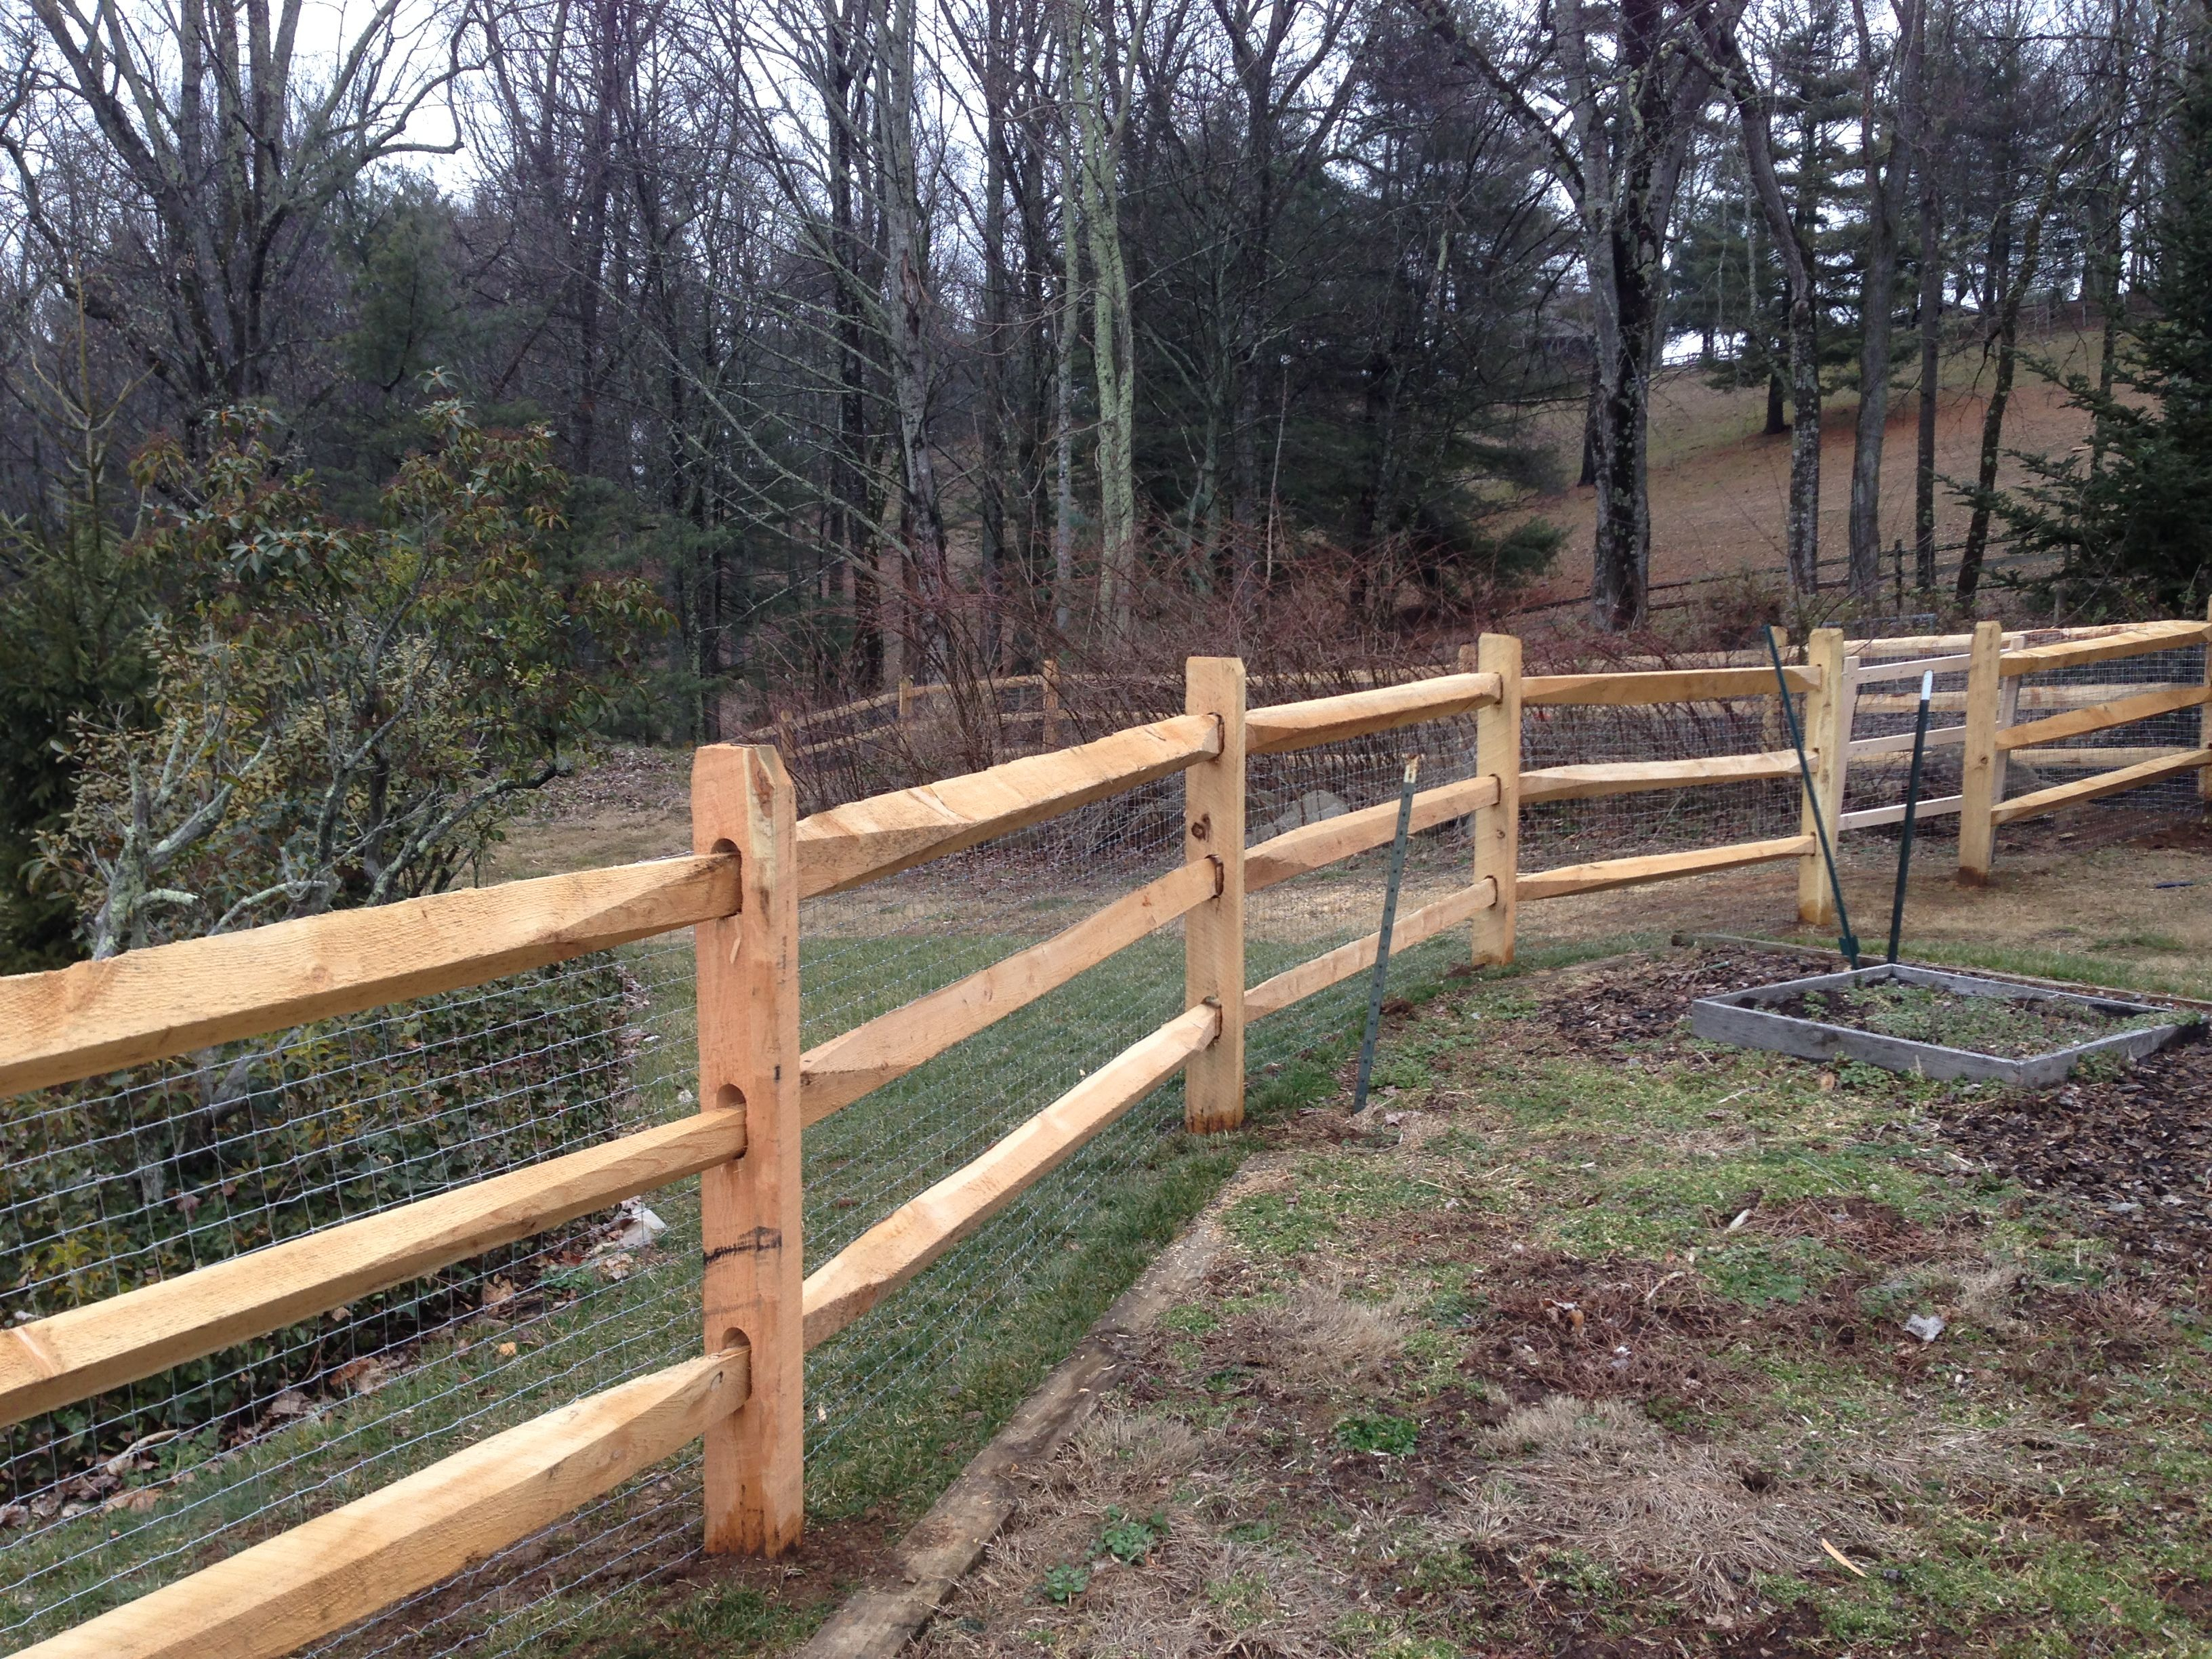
113 1184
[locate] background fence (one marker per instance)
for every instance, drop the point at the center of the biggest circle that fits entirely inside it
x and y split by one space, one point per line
145 1175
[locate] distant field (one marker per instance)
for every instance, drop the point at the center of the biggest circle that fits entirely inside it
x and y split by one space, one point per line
1719 485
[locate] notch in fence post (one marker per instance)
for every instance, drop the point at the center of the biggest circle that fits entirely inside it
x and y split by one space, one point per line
1497 827
751 1292
1977 788
1827 734
1213 934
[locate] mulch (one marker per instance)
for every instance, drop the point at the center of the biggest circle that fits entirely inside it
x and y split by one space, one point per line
2135 1152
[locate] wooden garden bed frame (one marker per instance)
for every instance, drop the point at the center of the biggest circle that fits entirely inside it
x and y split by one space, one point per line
753 861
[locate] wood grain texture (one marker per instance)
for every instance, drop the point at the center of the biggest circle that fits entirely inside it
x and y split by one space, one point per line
1871 674
1214 932
340 1567
1661 685
1288 725
2057 728
1497 851
922 1229
2129 642
839 1072
2105 783
1867 818
167 999
1630 777
1977 787
71 1356
1271 996
866 840
1658 866
1827 735
749 1210
1900 743
1312 846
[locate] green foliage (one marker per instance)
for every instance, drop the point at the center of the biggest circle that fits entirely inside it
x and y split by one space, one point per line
1064 1583
70 607
1129 1540
344 714
2127 518
1392 1436
123 1180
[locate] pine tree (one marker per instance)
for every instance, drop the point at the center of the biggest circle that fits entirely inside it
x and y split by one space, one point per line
2127 515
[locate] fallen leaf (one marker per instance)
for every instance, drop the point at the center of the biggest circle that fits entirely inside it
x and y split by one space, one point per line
1845 1561
505 1350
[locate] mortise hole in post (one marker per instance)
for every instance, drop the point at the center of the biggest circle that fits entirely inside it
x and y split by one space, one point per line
729 1097
734 1341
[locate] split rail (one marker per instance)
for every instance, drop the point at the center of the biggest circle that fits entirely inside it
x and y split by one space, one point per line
753 861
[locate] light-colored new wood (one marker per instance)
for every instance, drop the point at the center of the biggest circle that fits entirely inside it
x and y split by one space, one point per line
749 1210
1869 673
1311 845
1659 866
922 1229
1629 777
1900 743
867 840
835 1074
341 1566
85 1351
2057 728
2204 726
1827 735
2105 783
1495 864
167 999
1663 686
2130 642
1271 996
1213 934
905 700
1288 725
1978 787
1941 806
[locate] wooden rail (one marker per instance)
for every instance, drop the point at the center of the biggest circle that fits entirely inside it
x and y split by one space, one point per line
326 1573
1312 846
1628 777
2105 783
2130 642
849 846
1661 685
1289 725
2121 711
839 1072
1271 996
172 999
73 1355
1659 866
922 1229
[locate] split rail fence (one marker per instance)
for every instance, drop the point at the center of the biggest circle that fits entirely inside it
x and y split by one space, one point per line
759 1092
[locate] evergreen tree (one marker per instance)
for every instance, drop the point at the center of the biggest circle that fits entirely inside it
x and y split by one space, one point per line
2127 516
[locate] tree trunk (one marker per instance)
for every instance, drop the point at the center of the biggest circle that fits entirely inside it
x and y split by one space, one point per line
1931 374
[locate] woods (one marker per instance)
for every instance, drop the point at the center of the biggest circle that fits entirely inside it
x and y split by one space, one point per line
884 340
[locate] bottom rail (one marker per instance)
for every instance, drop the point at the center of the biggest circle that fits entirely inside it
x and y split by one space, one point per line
922 1228
341 1567
2105 783
1661 867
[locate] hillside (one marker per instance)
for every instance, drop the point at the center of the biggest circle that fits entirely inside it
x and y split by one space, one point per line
1719 484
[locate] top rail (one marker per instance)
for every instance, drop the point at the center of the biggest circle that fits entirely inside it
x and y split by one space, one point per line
2131 642
1663 685
1288 725
167 999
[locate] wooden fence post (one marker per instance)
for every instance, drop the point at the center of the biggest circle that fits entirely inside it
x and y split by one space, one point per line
905 700
741 801
1050 678
2204 725
1978 789
1213 934
1498 828
1828 731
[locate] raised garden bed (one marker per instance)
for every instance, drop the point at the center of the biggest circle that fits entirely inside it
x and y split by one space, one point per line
1937 1024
